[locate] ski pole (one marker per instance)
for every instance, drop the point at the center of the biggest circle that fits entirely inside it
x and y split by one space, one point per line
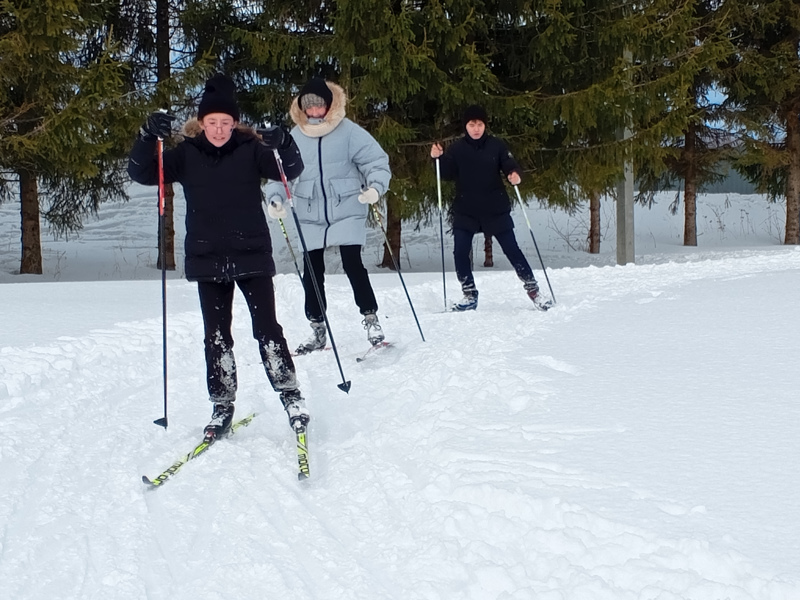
345 385
535 245
162 231
441 229
291 250
397 268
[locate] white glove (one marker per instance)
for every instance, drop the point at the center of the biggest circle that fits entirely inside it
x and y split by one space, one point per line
369 196
275 209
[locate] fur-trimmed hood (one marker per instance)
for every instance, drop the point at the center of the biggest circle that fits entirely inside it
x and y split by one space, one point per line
334 116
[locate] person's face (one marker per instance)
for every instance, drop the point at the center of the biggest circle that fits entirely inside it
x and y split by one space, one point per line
316 112
218 128
475 129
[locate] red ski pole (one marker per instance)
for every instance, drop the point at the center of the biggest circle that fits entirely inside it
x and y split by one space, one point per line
162 250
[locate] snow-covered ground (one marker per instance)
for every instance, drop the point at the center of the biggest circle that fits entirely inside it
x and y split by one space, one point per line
638 441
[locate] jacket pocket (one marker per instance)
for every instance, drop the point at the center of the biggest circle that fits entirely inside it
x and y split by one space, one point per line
305 200
345 198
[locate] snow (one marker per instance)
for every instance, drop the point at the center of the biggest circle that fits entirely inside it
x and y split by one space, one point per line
638 441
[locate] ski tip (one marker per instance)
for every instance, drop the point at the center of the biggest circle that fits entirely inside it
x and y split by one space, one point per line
147 481
374 348
302 476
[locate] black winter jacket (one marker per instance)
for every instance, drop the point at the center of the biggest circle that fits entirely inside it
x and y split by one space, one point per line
227 237
481 202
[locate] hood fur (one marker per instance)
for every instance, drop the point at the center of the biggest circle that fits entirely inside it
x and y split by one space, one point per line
335 115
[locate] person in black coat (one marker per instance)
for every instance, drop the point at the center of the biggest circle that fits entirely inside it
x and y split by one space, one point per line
220 165
475 162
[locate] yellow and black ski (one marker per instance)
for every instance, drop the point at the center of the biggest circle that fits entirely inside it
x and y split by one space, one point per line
198 450
303 471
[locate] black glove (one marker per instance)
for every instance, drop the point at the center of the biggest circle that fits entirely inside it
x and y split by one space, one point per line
275 138
158 125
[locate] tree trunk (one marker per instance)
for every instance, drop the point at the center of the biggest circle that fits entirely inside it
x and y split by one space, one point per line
594 223
690 187
163 73
488 260
393 229
31 232
793 176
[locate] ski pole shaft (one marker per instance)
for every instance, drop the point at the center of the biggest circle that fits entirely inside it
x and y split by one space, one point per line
345 385
535 245
397 268
162 249
291 250
441 229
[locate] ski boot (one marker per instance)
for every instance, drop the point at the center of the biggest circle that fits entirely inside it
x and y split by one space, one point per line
468 302
317 341
295 407
221 420
533 293
374 331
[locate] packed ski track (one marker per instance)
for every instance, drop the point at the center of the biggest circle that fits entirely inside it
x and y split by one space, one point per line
636 441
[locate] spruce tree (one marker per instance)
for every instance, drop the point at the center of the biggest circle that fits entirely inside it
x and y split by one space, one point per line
64 115
583 91
700 153
763 85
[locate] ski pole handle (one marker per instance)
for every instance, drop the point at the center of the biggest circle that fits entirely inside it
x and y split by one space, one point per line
283 178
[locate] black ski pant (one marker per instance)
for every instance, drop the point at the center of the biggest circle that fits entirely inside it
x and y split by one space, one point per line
216 304
462 246
356 274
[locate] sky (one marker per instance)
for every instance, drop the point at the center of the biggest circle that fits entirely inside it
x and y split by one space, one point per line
637 441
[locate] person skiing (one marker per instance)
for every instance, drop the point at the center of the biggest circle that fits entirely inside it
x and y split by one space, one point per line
220 164
347 171
481 203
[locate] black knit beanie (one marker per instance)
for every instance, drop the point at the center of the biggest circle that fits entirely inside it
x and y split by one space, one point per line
219 96
474 113
316 87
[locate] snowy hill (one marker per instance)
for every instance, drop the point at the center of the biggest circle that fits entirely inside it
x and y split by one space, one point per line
638 441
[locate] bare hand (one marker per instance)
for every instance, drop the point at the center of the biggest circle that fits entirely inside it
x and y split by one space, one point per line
514 178
436 150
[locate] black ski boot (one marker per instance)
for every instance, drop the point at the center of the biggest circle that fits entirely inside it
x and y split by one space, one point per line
221 420
295 407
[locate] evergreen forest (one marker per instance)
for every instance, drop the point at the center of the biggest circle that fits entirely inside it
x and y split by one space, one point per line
684 90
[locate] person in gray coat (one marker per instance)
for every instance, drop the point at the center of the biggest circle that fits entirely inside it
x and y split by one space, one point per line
346 171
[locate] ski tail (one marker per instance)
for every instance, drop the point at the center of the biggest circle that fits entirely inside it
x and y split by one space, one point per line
303 470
